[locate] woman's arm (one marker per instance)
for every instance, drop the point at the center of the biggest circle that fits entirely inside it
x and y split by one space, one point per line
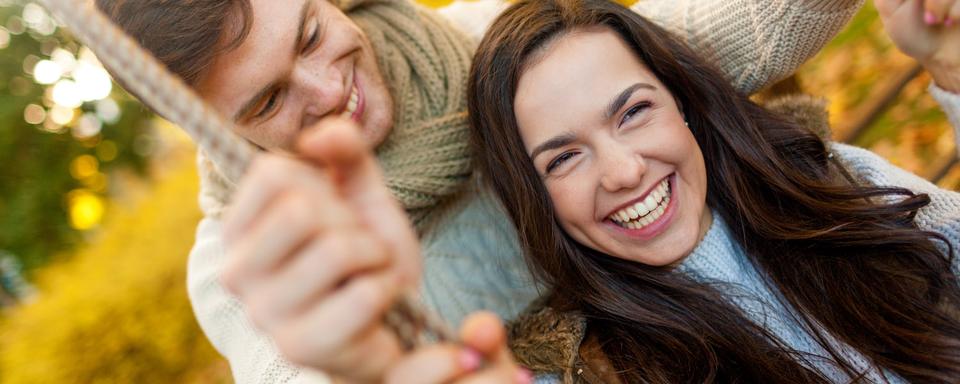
754 42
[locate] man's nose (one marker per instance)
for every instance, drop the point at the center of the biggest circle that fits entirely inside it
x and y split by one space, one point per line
323 91
621 168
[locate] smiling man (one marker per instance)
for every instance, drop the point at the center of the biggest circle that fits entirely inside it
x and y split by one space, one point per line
399 71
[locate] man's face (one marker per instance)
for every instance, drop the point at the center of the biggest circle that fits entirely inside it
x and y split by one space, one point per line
302 60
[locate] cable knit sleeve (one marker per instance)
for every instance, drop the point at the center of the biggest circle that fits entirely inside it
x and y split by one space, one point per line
472 261
942 215
754 42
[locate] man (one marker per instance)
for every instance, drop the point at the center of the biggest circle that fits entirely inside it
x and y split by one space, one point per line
301 262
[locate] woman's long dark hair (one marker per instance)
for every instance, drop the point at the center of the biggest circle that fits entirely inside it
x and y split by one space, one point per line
848 257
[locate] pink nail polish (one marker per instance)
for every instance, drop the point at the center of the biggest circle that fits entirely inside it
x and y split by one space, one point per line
469 359
524 376
929 18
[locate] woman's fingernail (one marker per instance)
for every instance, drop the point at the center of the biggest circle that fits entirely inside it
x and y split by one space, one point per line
524 376
929 18
469 359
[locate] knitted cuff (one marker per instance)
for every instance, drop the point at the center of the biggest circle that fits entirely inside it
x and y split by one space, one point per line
950 103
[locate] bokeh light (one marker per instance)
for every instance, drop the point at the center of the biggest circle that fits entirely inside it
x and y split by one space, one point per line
34 114
47 72
89 125
64 59
84 166
4 38
107 151
92 80
62 115
108 110
66 93
86 209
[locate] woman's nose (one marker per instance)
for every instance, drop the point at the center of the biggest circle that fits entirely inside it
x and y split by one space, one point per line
622 168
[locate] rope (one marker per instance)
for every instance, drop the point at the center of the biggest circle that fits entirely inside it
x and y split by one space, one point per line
170 97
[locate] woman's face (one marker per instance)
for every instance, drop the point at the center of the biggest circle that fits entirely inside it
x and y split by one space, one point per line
623 170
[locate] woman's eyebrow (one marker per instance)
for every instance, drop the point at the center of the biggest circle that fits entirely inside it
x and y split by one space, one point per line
553 143
622 98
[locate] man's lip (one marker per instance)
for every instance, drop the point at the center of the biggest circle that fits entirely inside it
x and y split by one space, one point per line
361 103
634 201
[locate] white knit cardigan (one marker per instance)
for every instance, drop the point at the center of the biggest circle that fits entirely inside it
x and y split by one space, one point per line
472 261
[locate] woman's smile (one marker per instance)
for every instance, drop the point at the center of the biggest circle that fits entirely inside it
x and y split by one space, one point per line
649 215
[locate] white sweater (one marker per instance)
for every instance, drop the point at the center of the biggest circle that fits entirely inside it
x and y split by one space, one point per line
472 261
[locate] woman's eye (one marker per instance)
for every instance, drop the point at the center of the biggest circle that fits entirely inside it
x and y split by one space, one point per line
559 161
635 110
269 105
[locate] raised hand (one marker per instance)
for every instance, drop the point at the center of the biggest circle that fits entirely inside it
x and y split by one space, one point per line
928 31
482 358
319 250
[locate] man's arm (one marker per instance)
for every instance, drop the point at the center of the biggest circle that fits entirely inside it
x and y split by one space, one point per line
754 42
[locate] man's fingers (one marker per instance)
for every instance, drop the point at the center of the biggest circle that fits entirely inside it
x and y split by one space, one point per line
954 16
285 224
337 145
314 271
434 364
886 8
936 11
351 310
268 176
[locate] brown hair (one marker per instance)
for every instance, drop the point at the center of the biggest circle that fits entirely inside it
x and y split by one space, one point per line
849 258
185 35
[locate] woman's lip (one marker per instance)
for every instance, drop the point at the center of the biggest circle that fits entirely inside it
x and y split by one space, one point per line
657 227
634 201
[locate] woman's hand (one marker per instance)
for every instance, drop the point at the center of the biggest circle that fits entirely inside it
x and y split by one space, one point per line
318 251
483 358
928 31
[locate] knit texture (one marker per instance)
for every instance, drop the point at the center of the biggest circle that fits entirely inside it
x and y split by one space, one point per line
755 43
425 62
471 257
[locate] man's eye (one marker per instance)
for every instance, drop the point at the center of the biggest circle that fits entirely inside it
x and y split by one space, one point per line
312 40
560 160
269 105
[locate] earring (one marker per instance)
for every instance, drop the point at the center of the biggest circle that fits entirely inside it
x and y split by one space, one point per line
687 123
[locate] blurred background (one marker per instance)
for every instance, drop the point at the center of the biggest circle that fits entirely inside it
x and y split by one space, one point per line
98 198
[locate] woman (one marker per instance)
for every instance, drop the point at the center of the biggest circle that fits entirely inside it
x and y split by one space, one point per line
698 236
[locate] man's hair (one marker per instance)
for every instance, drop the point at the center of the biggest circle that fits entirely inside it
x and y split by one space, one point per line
185 35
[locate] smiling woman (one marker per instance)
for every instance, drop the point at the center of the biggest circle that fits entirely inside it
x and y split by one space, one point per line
697 235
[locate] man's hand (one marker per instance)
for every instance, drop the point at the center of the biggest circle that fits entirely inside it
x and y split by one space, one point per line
319 250
928 31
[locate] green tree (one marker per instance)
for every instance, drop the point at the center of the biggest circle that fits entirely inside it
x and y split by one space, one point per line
59 139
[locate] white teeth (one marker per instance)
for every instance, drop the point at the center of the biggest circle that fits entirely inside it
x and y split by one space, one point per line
647 211
352 103
642 209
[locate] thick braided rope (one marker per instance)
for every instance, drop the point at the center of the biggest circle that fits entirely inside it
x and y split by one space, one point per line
167 94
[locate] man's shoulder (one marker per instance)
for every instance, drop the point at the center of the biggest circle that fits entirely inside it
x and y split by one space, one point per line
473 17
